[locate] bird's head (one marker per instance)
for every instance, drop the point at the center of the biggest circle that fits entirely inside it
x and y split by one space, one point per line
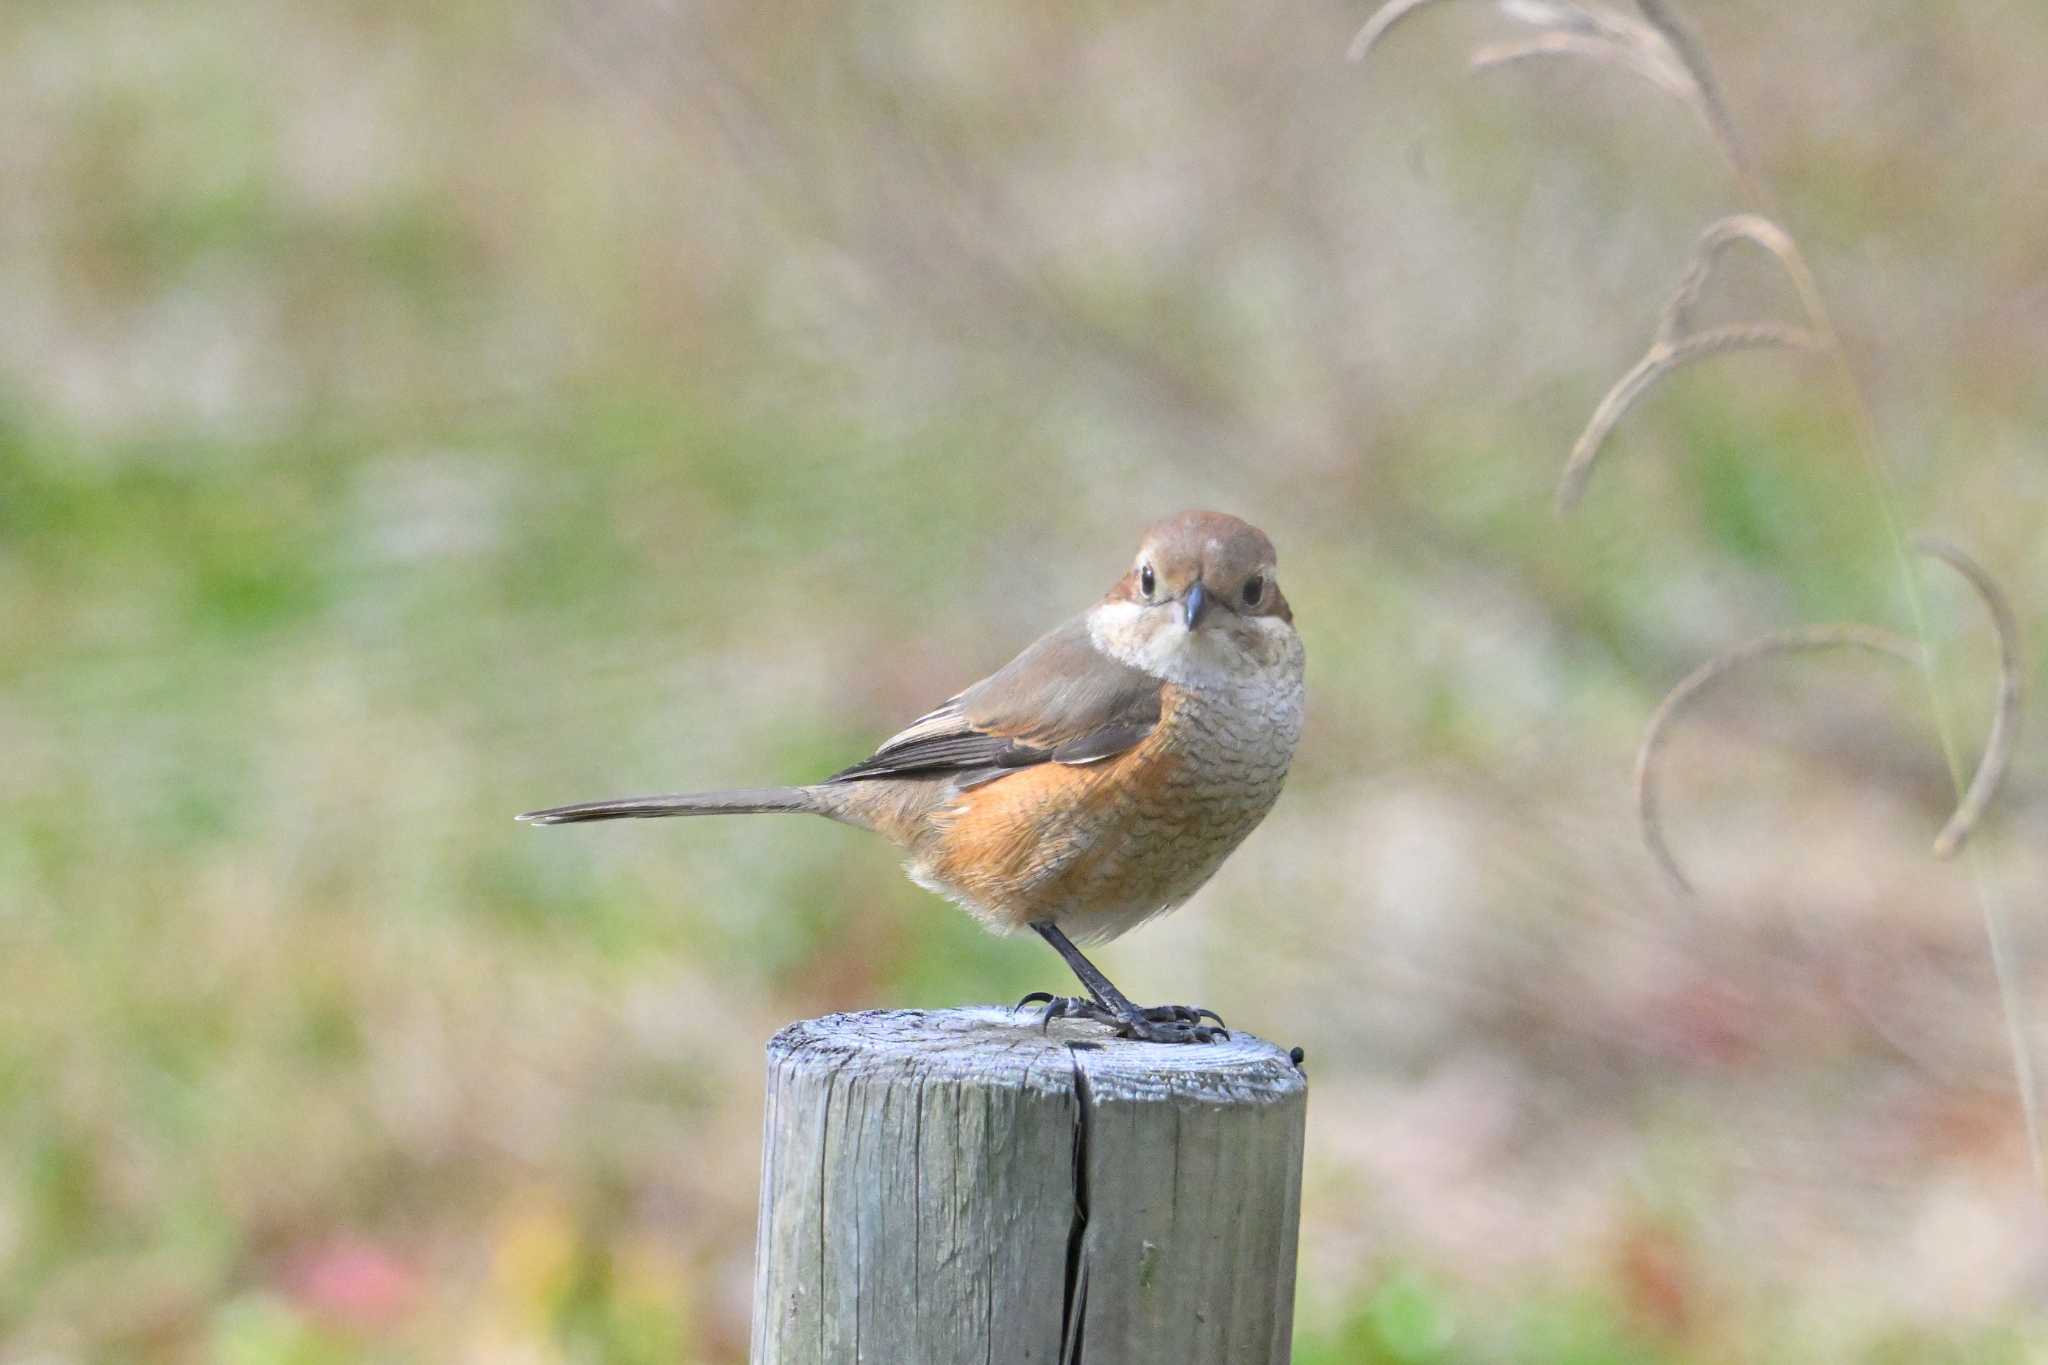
1201 598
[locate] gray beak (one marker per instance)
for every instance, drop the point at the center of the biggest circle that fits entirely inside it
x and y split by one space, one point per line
1191 605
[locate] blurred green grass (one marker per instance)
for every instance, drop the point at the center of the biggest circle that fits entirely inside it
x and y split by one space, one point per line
409 416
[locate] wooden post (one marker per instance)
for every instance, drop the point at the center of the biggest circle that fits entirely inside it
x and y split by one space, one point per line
960 1185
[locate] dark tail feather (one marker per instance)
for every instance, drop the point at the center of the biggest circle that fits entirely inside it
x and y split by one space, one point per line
765 799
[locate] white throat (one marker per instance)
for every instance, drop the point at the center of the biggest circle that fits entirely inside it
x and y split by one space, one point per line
1203 661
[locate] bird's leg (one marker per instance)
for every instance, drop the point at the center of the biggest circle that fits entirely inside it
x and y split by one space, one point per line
1158 1024
1101 990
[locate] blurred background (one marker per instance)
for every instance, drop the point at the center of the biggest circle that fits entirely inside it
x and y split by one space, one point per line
411 414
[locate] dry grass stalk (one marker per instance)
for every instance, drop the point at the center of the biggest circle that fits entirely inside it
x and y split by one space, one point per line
1706 89
1582 17
1377 27
1998 745
1659 49
1666 75
1581 28
1664 356
1804 639
1650 46
2005 721
1676 344
1706 254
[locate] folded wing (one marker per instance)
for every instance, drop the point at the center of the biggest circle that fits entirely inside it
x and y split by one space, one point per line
1060 701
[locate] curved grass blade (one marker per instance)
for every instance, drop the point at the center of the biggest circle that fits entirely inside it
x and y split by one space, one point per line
1666 75
1706 91
1664 356
1716 238
1383 19
1577 28
1679 699
2005 721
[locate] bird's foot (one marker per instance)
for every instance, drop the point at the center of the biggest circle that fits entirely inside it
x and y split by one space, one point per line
1171 1024
1153 1024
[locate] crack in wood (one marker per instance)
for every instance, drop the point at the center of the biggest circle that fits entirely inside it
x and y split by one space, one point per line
1074 1307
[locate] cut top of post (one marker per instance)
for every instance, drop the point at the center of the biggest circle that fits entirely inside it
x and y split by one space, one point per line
987 1043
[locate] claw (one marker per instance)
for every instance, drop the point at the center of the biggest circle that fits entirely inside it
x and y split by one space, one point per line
1180 1014
1064 1007
1179 1023
1141 1029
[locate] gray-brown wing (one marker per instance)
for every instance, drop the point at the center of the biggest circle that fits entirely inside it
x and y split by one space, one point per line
1060 701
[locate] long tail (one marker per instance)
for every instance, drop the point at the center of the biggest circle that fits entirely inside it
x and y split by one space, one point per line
765 799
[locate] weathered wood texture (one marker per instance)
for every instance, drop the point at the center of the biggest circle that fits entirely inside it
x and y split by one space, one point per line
959 1185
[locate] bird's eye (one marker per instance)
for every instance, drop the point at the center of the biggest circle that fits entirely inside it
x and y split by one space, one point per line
1254 589
1146 580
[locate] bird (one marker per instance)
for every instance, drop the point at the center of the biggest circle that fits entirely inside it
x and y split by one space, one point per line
1096 780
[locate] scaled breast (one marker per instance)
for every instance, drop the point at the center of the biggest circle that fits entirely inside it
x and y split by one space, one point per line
1218 767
